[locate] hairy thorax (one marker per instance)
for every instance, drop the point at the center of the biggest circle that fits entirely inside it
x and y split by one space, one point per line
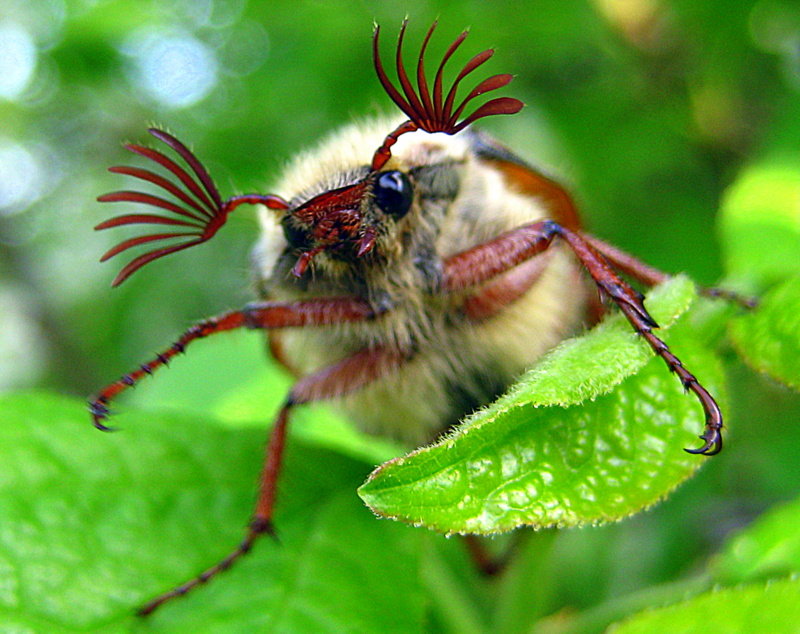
462 348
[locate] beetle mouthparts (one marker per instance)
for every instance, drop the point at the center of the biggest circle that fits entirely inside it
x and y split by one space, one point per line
304 260
367 237
367 241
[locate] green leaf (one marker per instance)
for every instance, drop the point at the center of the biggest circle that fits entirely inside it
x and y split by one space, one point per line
96 524
771 608
769 548
760 222
593 433
769 338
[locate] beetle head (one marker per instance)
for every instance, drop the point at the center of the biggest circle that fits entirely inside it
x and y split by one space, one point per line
343 219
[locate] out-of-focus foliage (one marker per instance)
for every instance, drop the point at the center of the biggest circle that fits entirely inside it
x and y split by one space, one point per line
769 548
771 608
75 569
660 114
770 338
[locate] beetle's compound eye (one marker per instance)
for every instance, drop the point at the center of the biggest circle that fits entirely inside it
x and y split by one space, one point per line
393 193
296 236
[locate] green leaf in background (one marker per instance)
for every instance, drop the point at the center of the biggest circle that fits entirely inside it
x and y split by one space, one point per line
769 548
769 338
95 524
773 608
760 222
615 448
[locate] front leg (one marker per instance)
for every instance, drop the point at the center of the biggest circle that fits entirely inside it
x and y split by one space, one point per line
485 261
262 315
339 379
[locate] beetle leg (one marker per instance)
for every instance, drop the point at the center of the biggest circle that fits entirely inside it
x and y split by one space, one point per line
262 315
336 380
505 289
650 276
485 261
488 563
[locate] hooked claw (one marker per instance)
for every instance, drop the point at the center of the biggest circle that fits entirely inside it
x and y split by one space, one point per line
100 412
712 446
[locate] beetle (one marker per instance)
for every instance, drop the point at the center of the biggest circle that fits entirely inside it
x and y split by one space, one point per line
420 280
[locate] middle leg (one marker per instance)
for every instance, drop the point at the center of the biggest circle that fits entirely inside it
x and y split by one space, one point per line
346 376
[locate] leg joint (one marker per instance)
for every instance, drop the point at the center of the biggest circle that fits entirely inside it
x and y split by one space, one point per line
249 316
258 526
551 228
291 400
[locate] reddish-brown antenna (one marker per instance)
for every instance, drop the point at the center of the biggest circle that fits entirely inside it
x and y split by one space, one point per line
436 113
203 211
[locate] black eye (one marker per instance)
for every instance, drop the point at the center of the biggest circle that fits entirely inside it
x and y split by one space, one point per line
393 193
295 236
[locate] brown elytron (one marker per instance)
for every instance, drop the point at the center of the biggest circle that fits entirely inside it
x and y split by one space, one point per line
346 226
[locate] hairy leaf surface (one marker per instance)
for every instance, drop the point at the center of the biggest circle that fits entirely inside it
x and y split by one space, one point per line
593 433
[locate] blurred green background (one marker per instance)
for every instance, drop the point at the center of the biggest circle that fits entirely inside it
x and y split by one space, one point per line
650 110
